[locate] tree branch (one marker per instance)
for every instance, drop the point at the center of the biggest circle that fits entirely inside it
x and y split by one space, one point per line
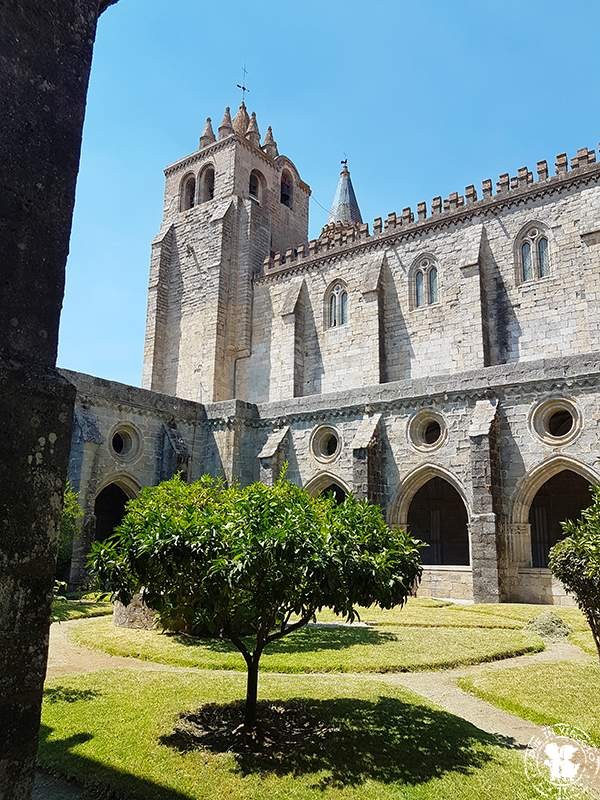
241 647
294 627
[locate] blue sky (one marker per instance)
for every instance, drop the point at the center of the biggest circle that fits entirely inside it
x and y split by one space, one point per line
423 98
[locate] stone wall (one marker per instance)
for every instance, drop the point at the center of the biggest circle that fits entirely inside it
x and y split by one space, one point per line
489 450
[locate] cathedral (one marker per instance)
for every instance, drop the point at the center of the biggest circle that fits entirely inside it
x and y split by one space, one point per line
443 362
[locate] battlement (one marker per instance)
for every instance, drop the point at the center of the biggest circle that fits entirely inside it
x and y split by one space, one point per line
507 187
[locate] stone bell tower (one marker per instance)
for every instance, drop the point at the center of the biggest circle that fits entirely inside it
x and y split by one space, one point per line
226 208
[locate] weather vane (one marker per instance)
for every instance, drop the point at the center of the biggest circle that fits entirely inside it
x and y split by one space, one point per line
242 85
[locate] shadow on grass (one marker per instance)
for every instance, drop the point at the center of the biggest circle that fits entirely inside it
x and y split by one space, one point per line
101 782
352 740
304 640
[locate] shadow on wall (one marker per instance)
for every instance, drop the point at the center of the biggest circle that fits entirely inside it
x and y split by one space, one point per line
397 352
313 357
503 328
344 742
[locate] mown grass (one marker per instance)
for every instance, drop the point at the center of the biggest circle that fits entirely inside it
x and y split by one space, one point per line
524 612
547 694
381 743
585 640
326 648
63 610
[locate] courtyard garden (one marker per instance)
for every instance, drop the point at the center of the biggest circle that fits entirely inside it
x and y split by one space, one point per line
341 725
365 691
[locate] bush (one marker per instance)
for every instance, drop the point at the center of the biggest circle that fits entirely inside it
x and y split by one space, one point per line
549 625
575 561
70 523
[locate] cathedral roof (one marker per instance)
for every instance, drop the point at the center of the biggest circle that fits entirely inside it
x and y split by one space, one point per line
345 206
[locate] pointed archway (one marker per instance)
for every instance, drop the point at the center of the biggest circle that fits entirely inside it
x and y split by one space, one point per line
327 484
562 497
437 515
109 509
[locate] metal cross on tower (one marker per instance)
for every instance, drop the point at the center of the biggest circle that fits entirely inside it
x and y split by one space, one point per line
242 85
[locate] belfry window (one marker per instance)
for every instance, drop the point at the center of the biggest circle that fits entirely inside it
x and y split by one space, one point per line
207 184
337 306
188 193
255 185
287 189
425 290
533 255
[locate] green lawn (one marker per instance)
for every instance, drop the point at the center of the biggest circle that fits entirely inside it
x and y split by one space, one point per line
327 648
524 612
63 610
585 640
564 692
380 743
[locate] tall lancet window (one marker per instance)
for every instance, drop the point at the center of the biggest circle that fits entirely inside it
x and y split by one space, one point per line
533 254
419 289
433 285
188 193
425 277
337 306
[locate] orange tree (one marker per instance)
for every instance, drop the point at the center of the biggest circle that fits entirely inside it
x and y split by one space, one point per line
575 561
253 564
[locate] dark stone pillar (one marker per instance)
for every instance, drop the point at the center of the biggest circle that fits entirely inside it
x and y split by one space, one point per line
485 487
367 466
46 55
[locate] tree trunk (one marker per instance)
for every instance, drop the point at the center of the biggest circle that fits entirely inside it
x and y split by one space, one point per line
251 692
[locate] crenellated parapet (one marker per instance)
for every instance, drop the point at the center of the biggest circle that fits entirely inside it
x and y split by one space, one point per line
337 237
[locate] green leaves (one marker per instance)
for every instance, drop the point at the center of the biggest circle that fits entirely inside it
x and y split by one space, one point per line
575 561
250 561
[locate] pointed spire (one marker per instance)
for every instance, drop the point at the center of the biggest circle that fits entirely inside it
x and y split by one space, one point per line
226 126
241 120
252 132
345 206
208 135
269 144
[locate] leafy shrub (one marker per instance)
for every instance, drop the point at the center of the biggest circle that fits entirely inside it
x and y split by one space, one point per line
549 625
575 561
253 564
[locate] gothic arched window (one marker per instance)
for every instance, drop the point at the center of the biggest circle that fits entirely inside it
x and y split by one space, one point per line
432 282
533 254
256 184
287 189
424 290
337 306
419 289
188 193
207 184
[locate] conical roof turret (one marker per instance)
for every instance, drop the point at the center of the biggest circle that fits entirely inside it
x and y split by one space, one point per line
252 132
241 120
226 126
345 205
269 144
208 135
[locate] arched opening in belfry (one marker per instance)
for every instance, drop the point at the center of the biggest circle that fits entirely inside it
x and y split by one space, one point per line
334 491
437 515
109 510
562 497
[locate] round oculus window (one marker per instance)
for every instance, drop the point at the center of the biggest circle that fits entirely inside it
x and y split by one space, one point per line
427 430
326 443
125 442
555 421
